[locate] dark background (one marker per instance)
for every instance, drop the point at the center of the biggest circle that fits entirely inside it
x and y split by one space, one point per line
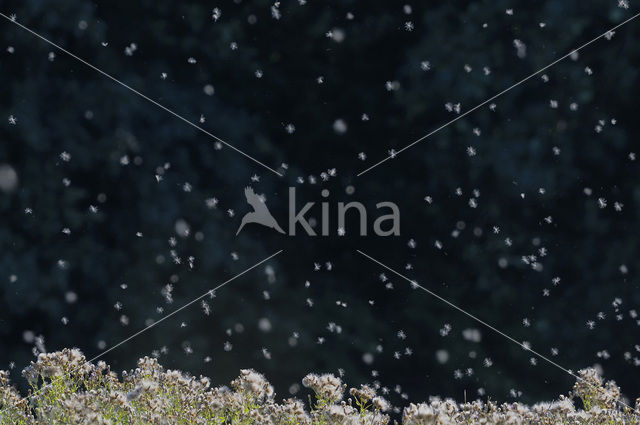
63 106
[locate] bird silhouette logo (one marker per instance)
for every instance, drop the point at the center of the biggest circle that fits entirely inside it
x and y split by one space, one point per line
260 213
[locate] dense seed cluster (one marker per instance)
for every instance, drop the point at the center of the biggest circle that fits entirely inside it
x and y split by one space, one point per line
466 216
68 390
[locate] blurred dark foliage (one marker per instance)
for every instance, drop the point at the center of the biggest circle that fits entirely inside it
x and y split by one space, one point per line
64 106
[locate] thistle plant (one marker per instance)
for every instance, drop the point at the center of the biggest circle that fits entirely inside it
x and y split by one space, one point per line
65 389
